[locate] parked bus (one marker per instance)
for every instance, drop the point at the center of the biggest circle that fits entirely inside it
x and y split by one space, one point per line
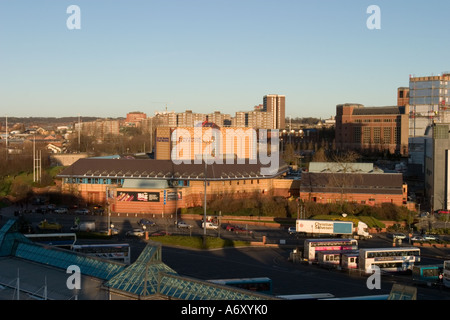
446 275
61 240
261 285
388 259
428 274
312 246
116 252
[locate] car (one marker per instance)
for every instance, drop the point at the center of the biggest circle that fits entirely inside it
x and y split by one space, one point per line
431 237
182 224
135 233
230 227
61 210
82 211
292 230
400 236
417 238
210 225
144 223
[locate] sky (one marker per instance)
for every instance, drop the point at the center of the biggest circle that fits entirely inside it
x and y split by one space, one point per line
213 55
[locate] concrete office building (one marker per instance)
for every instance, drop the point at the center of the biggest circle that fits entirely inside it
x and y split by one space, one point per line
429 102
437 166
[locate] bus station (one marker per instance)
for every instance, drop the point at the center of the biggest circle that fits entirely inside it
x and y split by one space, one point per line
30 270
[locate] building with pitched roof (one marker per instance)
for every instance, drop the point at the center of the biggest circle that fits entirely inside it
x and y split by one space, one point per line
148 186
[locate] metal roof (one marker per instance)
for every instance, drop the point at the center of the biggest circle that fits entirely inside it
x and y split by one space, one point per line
168 170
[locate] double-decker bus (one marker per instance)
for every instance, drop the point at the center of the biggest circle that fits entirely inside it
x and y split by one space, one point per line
261 285
61 240
312 246
117 252
446 275
388 259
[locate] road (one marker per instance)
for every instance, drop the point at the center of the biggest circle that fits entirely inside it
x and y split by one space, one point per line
288 278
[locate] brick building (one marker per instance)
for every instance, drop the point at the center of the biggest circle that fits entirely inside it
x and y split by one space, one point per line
372 128
159 186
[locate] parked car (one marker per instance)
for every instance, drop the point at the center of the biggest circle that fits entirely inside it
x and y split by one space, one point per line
82 211
431 237
400 236
145 223
292 230
417 238
182 224
61 210
135 233
230 227
210 225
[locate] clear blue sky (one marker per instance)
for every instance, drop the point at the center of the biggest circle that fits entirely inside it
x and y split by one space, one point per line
208 55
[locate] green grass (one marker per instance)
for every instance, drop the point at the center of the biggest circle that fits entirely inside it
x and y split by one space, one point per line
196 242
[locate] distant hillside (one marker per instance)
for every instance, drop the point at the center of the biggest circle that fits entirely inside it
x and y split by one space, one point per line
46 121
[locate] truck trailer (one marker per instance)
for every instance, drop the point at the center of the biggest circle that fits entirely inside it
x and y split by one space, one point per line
332 228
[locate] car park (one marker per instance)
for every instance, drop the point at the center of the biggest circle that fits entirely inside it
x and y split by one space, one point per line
182 224
135 233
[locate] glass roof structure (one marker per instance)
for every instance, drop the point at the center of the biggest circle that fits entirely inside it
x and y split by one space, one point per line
13 243
147 278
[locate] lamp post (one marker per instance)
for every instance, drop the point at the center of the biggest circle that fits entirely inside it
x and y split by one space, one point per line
204 212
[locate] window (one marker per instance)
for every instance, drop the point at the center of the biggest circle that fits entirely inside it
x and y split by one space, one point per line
366 135
377 135
357 134
387 135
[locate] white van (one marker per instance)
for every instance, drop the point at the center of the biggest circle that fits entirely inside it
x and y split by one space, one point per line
210 225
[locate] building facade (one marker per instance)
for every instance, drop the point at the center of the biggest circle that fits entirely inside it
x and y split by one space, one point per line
437 167
372 128
429 102
359 183
161 187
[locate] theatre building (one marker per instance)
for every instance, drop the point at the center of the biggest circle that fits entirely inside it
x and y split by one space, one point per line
148 186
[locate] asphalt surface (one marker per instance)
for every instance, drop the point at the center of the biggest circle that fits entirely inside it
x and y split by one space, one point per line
288 278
